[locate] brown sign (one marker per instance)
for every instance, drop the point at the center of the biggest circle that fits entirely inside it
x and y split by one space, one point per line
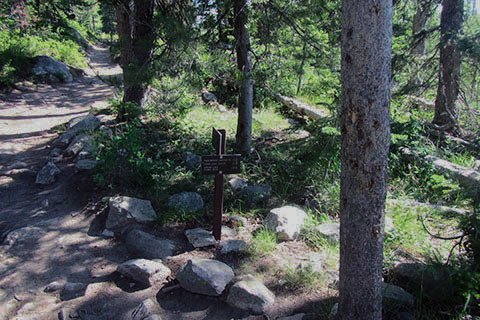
221 164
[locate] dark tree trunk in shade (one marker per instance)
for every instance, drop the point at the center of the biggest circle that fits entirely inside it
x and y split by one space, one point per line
134 27
451 21
244 63
365 140
422 14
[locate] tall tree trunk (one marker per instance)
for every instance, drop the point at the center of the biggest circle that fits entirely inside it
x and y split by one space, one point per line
134 27
365 139
451 21
244 63
419 22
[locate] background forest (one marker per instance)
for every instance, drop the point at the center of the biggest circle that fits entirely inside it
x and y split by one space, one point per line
174 52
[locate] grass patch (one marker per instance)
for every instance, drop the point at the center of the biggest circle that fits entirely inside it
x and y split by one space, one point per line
263 243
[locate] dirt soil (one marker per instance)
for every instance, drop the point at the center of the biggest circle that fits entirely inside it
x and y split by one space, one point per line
60 239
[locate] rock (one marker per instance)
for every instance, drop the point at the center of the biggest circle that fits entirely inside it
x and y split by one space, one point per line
144 271
17 165
208 96
186 202
192 161
200 238
302 134
76 126
205 276
298 316
228 232
389 226
47 66
251 295
81 142
72 290
394 297
329 231
237 221
229 246
237 183
107 233
83 155
286 221
106 131
47 174
147 246
145 311
24 236
5 182
333 312
125 210
257 193
55 152
435 283
86 164
54 286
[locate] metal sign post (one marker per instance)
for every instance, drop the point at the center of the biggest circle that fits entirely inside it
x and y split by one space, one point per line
219 165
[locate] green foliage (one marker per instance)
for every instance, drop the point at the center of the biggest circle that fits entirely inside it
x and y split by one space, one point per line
263 243
128 110
125 160
17 51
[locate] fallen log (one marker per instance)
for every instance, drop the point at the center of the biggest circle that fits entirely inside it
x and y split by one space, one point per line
298 106
465 176
418 204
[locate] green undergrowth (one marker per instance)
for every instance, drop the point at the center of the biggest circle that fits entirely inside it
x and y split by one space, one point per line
17 51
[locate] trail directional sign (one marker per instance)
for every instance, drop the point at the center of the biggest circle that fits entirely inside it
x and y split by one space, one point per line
219 165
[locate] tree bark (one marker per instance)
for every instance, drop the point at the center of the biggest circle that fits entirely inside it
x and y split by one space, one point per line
451 21
244 63
134 27
419 22
365 139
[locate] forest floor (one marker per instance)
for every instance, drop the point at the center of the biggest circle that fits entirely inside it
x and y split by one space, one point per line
58 239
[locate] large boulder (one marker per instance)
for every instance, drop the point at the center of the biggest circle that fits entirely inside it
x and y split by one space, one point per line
286 221
144 271
125 210
329 231
145 245
186 202
205 276
47 174
251 295
47 67
395 298
434 283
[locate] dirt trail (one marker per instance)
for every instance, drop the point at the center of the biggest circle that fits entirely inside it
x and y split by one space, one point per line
55 245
